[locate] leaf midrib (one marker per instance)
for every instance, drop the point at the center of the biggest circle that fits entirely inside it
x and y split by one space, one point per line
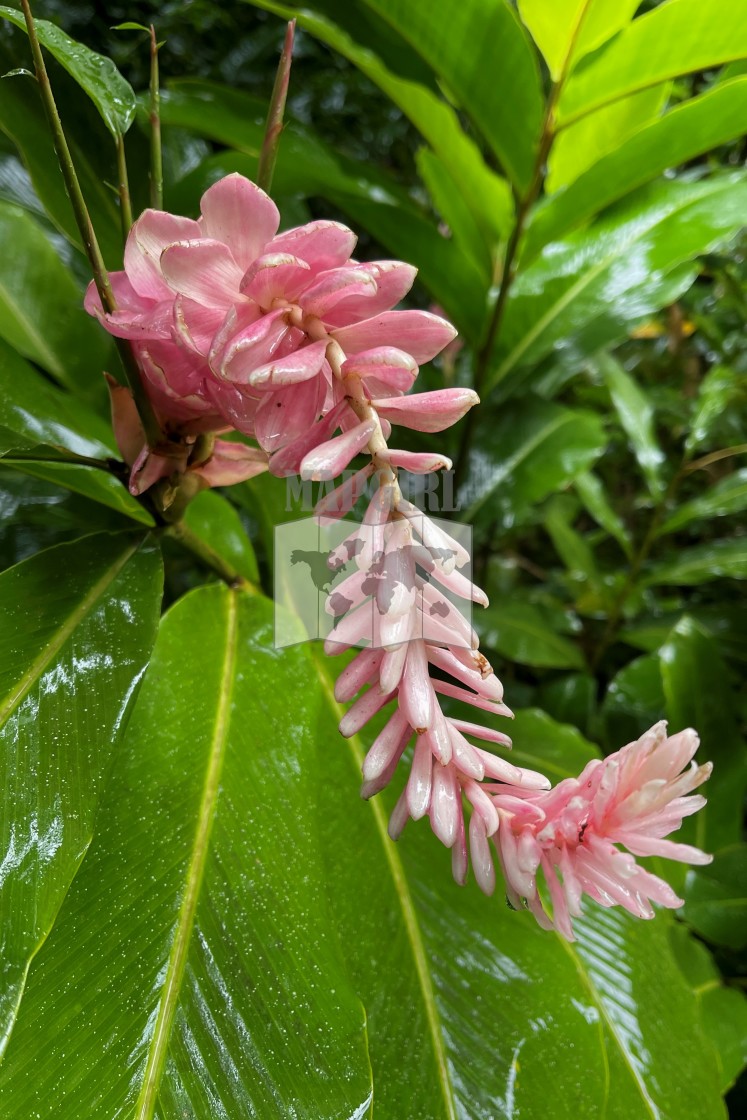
48 357
159 1043
409 915
63 632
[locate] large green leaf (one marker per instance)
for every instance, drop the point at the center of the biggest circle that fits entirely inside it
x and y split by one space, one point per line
485 1007
722 391
525 633
196 943
488 194
22 120
588 289
216 522
678 37
590 490
77 625
534 448
39 413
41 305
567 29
94 73
698 694
636 415
725 559
504 101
716 898
687 131
725 497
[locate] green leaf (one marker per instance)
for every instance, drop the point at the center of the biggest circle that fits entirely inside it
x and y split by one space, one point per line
451 1032
727 496
486 192
215 521
698 694
592 493
570 698
723 1011
525 633
564 30
678 37
94 73
590 288
77 625
542 743
214 984
636 415
713 560
578 147
634 701
533 449
573 549
716 898
39 413
685 132
720 388
41 306
22 120
506 101
448 199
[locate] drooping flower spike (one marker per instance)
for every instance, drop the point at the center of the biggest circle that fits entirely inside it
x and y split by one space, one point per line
289 340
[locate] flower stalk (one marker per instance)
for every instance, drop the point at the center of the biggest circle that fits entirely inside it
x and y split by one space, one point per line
274 126
156 155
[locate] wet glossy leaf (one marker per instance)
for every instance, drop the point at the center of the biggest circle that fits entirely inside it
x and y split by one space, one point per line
95 74
533 449
485 1004
723 1011
216 522
587 290
636 414
688 130
713 560
725 497
570 698
573 548
41 306
676 38
196 941
525 633
716 898
39 413
698 694
634 700
22 120
77 626
720 388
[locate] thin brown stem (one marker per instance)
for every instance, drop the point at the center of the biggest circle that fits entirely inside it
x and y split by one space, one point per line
274 125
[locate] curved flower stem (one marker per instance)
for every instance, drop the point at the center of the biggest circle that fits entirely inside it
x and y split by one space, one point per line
274 125
88 234
185 536
125 204
156 156
67 458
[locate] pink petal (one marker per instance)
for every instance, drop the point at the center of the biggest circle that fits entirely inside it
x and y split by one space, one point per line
417 332
420 782
299 365
385 364
385 746
482 861
149 236
393 281
323 244
236 212
330 287
231 463
340 501
289 459
331 458
274 276
362 670
236 354
417 462
203 270
428 412
445 807
416 697
364 709
285 414
195 326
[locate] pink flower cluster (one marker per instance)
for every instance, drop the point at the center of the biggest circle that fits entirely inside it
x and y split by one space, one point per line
287 339
231 321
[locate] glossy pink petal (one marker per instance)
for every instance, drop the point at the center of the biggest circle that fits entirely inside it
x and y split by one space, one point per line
235 356
153 231
330 459
417 462
195 325
393 281
384 365
203 270
275 276
328 288
297 366
288 460
428 412
323 244
240 214
285 414
231 463
417 332
340 501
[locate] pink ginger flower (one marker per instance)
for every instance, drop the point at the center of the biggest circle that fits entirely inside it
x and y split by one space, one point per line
231 318
633 798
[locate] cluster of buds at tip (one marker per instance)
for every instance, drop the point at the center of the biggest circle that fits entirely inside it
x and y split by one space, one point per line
288 340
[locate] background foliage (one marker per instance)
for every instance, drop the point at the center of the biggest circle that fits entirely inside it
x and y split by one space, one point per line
577 211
